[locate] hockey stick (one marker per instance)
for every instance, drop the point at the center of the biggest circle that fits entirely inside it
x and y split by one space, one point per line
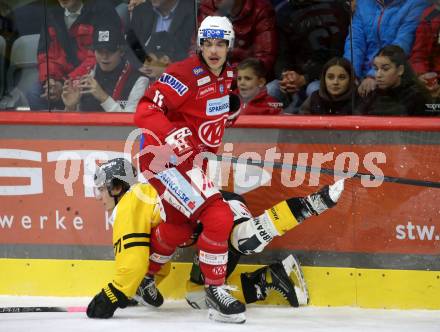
310 169
13 310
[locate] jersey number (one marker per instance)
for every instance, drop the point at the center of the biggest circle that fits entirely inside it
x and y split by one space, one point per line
158 98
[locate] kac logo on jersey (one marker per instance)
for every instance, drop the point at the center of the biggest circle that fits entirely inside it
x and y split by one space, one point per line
222 88
211 132
174 83
213 33
198 71
217 106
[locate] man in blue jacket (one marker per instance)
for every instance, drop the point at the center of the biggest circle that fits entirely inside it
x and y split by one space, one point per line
377 23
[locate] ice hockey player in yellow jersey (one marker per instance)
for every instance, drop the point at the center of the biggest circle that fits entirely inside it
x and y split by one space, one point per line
135 210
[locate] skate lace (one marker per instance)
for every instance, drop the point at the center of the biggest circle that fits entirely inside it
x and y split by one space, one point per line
223 296
150 288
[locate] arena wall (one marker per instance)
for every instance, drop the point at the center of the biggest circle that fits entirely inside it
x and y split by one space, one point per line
377 249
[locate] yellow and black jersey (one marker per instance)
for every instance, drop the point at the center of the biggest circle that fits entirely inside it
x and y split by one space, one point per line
133 217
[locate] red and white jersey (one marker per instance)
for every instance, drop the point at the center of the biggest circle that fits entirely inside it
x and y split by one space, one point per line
261 104
187 94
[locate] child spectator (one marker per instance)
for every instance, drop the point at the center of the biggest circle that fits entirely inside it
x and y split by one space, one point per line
160 51
254 26
377 23
252 91
399 91
335 94
113 85
66 52
425 56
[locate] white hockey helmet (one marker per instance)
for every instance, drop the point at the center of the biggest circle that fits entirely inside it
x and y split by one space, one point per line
216 27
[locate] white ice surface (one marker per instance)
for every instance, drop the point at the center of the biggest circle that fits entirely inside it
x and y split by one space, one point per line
177 316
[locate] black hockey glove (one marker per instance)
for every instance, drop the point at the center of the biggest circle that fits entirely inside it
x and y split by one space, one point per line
106 302
234 109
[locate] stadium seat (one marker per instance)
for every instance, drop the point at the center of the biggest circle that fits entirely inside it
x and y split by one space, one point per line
23 71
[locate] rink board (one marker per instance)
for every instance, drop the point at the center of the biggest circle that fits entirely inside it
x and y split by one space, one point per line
378 248
328 286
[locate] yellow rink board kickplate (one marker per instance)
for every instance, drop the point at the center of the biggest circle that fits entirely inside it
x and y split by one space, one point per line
328 286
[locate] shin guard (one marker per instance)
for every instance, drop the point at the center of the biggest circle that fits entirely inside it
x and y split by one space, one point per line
164 240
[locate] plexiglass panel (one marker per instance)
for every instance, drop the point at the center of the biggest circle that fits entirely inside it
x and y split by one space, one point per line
337 57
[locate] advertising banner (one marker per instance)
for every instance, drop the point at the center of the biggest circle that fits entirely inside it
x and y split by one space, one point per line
388 214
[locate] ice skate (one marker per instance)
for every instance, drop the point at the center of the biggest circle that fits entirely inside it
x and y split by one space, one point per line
294 270
148 294
257 284
223 307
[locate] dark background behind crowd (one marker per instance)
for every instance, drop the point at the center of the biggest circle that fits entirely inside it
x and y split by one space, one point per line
363 57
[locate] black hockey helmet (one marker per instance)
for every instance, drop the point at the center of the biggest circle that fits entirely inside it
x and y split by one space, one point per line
118 171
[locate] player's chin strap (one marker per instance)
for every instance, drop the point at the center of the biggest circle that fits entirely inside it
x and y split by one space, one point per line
116 197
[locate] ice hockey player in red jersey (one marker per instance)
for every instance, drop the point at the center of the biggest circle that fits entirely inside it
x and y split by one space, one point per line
184 114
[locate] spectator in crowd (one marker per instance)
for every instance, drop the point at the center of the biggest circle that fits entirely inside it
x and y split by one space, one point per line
28 16
352 5
8 32
425 56
336 88
311 33
254 26
399 91
113 85
67 51
251 80
116 2
160 51
7 22
133 3
377 23
176 17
